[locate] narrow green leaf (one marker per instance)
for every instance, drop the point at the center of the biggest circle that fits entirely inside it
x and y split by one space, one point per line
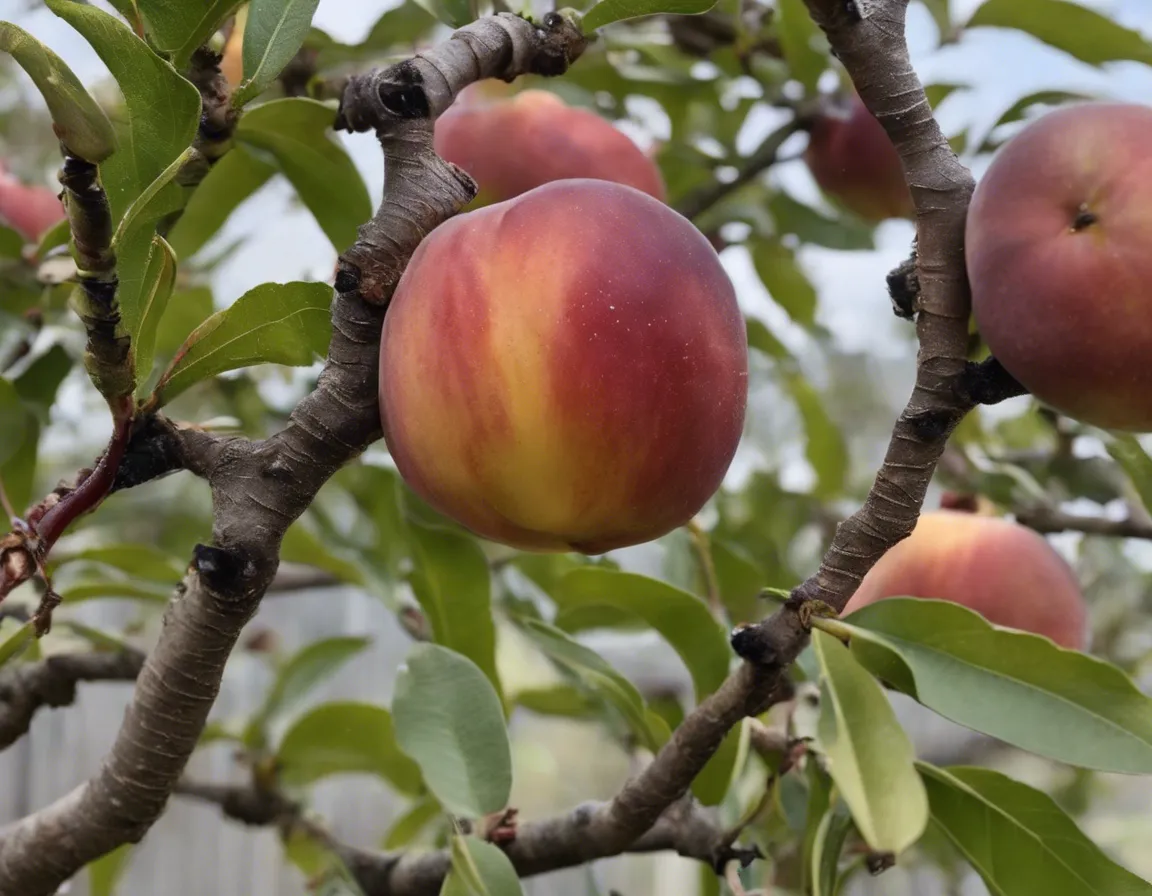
799 35
937 93
77 119
143 313
273 32
608 11
450 720
274 323
557 700
1015 686
825 449
14 638
685 623
764 340
95 590
178 27
13 419
300 545
810 226
345 738
452 582
232 180
162 110
1018 839
870 756
1090 36
296 132
598 674
480 869
309 667
11 243
105 873
1134 460
779 271
827 844
38 384
19 471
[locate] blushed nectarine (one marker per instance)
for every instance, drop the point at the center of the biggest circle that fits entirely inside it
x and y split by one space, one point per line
1057 248
566 370
1008 574
510 146
854 162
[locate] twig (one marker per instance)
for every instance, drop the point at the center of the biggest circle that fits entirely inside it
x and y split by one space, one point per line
52 682
1051 519
703 550
700 200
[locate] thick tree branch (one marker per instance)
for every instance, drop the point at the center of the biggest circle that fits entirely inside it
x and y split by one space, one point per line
869 41
52 682
260 488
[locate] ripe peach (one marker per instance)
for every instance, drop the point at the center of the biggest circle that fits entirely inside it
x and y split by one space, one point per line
510 146
1008 574
1057 253
28 209
853 161
566 370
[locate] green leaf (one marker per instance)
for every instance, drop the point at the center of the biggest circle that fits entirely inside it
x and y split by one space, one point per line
273 32
77 119
1089 36
345 738
870 756
480 869
233 179
798 34
105 873
14 638
274 323
409 826
607 11
95 590
309 667
295 132
450 720
178 27
827 844
454 13
1015 686
557 700
937 93
162 109
597 674
143 561
781 275
144 310
1018 839
809 226
300 545
13 419
11 243
685 623
826 450
764 340
38 384
185 311
451 581
18 473
1134 460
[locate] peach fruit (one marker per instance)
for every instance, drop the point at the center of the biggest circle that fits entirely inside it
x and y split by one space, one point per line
28 209
566 370
510 146
1056 247
853 161
1008 574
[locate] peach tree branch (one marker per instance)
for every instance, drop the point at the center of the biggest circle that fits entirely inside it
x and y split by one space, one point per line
260 488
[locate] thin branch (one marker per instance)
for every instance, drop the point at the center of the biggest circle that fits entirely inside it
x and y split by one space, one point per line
1051 519
52 682
260 488
700 200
